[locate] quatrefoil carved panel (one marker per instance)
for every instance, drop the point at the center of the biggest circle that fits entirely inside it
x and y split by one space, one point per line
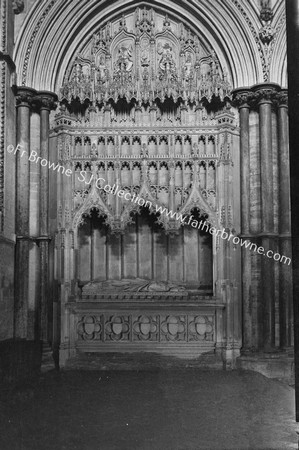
90 328
173 328
201 328
117 328
145 328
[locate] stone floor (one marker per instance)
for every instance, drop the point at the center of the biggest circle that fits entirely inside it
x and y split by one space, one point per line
153 409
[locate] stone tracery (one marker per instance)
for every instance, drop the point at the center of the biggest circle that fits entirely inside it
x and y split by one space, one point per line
155 59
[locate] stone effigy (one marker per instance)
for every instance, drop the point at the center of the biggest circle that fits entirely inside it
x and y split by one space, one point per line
130 285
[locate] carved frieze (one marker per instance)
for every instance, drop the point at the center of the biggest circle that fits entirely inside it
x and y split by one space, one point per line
149 327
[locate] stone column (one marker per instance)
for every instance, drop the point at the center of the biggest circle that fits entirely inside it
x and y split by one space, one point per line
285 247
242 99
265 94
228 256
22 321
47 102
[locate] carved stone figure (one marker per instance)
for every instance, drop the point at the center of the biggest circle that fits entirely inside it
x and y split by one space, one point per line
131 285
143 66
166 62
144 46
124 59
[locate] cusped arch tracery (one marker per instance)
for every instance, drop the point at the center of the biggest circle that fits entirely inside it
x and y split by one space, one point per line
170 220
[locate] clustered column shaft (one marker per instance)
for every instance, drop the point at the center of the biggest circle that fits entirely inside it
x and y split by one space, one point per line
261 309
285 245
31 323
46 102
21 317
242 98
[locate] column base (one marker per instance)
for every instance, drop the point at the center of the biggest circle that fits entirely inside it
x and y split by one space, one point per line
48 362
277 364
230 355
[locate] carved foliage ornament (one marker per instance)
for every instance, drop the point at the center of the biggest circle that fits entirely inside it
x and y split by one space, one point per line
267 32
18 6
145 57
258 94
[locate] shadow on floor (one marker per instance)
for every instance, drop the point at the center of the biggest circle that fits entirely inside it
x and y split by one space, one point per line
178 409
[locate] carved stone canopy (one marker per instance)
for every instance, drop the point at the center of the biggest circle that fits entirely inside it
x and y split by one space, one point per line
144 57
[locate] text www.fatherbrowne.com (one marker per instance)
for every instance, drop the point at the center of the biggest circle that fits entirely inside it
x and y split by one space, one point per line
101 184
184 219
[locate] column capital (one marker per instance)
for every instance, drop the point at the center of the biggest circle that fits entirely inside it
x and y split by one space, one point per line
242 97
25 96
282 98
46 100
266 92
